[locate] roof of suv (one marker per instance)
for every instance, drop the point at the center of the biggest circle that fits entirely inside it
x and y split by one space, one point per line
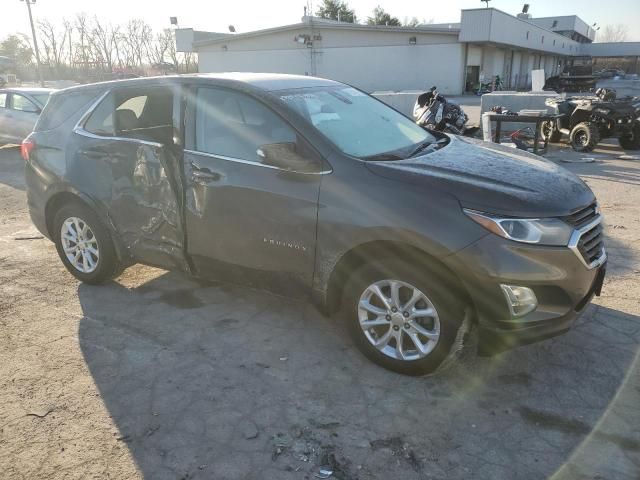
263 81
28 90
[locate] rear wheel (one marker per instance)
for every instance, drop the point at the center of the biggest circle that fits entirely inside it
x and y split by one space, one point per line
631 141
549 131
401 317
584 137
84 244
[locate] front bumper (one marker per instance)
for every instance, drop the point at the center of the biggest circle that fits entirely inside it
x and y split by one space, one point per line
561 281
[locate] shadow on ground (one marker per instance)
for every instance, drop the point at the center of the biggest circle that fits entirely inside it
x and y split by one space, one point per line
12 166
218 381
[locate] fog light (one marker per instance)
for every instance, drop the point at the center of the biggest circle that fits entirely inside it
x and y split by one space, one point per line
521 300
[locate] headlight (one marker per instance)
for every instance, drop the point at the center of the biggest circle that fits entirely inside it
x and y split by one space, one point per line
543 231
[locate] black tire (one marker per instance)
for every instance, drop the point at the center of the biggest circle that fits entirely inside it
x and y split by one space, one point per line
440 289
631 141
584 137
549 131
107 266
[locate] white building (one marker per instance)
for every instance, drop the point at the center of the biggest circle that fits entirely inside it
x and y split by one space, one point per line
455 57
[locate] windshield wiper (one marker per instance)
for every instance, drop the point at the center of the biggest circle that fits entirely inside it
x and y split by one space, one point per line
383 156
420 148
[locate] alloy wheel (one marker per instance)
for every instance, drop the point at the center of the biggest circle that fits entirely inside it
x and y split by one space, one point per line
399 320
79 244
582 138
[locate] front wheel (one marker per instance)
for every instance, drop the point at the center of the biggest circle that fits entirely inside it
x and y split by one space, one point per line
549 131
584 137
401 317
84 244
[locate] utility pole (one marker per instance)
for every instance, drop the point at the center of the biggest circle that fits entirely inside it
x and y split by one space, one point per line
70 50
35 42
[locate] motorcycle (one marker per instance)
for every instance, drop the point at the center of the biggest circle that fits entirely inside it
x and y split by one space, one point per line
441 115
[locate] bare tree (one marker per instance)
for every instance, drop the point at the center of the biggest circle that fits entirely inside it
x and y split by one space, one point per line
614 33
82 50
137 38
85 48
104 41
53 43
159 47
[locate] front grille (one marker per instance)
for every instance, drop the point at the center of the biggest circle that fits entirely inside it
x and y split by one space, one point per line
591 244
582 216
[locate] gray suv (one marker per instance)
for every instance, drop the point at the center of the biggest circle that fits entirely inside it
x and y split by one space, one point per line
309 187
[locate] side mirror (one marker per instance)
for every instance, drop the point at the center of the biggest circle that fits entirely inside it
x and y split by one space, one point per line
286 157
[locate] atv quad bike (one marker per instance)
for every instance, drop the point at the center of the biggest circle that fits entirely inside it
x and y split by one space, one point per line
587 120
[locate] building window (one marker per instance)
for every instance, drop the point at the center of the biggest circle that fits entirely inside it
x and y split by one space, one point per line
542 39
554 43
555 24
527 35
412 40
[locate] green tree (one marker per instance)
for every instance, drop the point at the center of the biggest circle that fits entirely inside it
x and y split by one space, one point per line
380 17
336 10
17 47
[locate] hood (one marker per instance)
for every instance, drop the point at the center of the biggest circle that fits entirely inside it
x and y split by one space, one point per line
492 178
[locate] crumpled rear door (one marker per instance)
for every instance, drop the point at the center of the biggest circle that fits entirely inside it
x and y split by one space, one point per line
135 183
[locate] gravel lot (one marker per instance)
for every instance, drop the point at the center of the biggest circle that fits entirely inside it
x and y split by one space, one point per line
158 376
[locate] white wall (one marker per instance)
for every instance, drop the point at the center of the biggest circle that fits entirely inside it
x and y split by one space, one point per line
474 56
396 68
493 62
402 67
515 69
269 61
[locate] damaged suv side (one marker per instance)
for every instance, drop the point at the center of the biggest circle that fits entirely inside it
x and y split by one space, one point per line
310 187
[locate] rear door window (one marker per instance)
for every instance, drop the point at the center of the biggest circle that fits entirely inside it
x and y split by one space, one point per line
3 100
135 104
132 113
23 104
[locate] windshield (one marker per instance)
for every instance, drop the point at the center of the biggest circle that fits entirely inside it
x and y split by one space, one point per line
358 124
41 98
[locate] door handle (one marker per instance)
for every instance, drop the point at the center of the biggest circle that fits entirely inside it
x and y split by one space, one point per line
94 154
98 153
203 173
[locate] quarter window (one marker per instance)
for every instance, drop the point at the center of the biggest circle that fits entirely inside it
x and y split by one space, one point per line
235 125
100 122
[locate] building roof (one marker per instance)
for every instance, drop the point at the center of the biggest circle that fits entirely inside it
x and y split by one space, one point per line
321 23
612 49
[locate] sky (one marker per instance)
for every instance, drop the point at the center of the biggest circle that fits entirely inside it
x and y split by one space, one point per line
247 15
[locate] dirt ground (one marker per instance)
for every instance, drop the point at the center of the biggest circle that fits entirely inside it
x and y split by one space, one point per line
157 376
